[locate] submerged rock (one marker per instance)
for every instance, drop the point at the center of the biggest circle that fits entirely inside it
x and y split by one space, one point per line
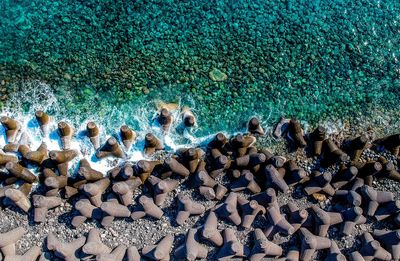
217 75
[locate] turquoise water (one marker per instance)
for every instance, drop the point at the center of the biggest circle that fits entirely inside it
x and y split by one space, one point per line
109 60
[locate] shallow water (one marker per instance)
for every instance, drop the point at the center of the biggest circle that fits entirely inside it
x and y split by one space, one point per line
109 60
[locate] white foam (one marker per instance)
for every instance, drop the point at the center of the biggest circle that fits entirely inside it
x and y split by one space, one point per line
3 140
39 96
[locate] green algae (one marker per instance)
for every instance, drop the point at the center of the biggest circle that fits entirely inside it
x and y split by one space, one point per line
311 59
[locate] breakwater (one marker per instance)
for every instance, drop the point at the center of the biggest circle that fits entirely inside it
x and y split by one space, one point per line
225 182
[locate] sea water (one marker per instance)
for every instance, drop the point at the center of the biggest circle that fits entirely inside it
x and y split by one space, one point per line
112 62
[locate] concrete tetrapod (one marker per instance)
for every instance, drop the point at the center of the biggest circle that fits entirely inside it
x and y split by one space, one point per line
66 251
8 240
351 217
66 132
231 247
113 210
43 119
201 178
132 254
373 198
147 208
320 183
19 197
367 171
218 164
390 240
317 138
311 243
160 251
125 189
387 209
93 133
93 245
42 205
274 179
161 188
152 144
389 170
249 209
61 159
267 198
323 220
297 217
122 172
349 197
292 255
188 119
334 253
297 133
128 136
20 172
277 223
4 158
251 161
372 249
191 249
192 158
30 255
356 146
86 211
11 126
218 142
87 172
165 119
111 148
55 183
332 154
39 155
344 176
254 126
240 143
95 190
391 143
144 168
210 230
229 210
263 247
174 166
246 182
356 256
294 174
116 255
186 208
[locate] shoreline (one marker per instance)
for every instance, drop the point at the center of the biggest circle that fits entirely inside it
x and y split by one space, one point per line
35 95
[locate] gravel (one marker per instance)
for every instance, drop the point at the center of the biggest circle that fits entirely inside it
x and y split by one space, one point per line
148 231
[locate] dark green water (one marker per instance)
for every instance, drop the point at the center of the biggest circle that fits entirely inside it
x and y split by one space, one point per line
315 60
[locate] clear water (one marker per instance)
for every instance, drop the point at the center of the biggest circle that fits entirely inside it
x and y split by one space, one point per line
108 61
